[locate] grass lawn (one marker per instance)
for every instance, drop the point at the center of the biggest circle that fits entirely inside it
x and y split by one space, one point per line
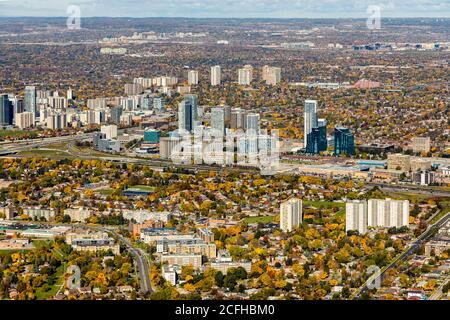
13 133
326 205
55 154
4 252
105 192
59 275
143 188
262 219
411 196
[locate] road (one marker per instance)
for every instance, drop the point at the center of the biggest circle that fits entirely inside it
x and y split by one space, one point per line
425 236
142 263
140 256
18 146
436 295
6 149
426 190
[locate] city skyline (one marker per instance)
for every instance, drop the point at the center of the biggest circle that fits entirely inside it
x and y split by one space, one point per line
227 9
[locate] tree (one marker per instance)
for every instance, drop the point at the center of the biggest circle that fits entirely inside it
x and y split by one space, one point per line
230 282
219 279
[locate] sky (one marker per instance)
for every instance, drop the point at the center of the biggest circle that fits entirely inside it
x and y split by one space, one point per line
227 8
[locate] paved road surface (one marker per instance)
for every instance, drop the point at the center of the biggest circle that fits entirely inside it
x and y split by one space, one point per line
402 257
140 256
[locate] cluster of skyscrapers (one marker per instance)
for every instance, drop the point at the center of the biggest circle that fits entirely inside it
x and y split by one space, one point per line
36 104
315 133
221 117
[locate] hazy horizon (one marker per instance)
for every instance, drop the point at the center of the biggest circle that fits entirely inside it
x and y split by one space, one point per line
233 9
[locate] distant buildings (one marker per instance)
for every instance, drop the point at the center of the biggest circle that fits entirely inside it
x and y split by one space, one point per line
113 51
8 212
109 131
376 213
440 243
57 120
310 119
6 111
366 84
216 76
206 235
421 144
193 77
170 274
141 216
271 75
136 228
132 89
344 141
238 118
152 136
167 145
30 100
24 120
406 163
152 235
105 145
218 120
399 162
291 214
188 113
424 178
252 122
317 139
245 75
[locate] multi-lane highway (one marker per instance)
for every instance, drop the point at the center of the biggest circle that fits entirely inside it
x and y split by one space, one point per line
23 145
408 188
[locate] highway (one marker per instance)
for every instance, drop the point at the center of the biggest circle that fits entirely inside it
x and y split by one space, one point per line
18 146
425 236
158 164
426 190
